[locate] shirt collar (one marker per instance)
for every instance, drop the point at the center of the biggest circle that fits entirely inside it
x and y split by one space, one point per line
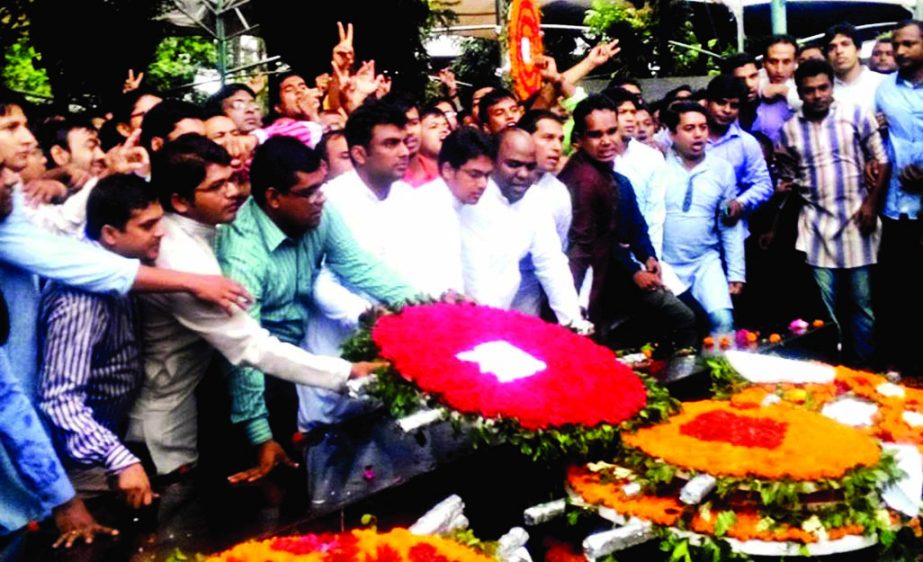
271 234
701 167
833 107
732 132
904 82
863 70
194 228
603 168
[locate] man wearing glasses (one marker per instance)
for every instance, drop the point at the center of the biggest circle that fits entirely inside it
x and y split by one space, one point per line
238 102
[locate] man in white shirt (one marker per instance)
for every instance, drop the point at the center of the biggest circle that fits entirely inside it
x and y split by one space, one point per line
547 130
634 159
445 205
508 227
466 161
192 180
854 83
378 209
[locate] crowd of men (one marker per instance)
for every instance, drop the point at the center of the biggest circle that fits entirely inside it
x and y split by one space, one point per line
143 253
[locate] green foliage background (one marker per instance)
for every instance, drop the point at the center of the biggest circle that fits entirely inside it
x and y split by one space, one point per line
176 61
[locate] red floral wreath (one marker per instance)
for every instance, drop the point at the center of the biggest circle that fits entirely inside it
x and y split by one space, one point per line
582 383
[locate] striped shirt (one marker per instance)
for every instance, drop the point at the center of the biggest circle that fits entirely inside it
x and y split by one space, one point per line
831 156
90 374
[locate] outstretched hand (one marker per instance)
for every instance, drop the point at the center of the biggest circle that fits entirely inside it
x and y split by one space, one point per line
219 290
75 522
269 455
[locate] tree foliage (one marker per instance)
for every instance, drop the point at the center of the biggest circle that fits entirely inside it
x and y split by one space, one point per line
644 30
20 72
177 60
478 62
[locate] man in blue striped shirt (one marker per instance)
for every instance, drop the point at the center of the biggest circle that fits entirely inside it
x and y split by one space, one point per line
830 143
91 369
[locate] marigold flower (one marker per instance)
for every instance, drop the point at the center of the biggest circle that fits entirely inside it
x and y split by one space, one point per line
812 447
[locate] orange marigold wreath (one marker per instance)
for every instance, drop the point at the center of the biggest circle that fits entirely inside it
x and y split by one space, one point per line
773 442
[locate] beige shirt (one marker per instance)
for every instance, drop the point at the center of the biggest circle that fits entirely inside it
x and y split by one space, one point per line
179 333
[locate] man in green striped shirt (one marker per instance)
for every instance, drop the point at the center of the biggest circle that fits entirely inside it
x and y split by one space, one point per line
274 249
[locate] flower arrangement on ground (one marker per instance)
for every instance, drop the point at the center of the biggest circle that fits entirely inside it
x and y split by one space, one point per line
753 474
397 545
890 412
512 377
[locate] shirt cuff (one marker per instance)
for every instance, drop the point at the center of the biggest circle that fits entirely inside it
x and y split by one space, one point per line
258 431
118 459
129 276
56 493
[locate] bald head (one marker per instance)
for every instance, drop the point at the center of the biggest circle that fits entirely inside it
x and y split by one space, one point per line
516 168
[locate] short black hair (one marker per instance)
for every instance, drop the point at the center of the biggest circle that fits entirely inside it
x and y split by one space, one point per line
163 117
321 147
592 103
214 105
275 87
492 98
725 86
621 81
9 98
109 135
847 29
529 121
807 46
907 23
114 199
780 39
431 110
734 62
671 116
812 67
54 132
369 115
621 95
402 101
275 164
464 144
125 104
672 94
180 166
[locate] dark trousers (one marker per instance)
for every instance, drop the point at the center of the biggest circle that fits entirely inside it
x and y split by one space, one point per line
900 295
655 315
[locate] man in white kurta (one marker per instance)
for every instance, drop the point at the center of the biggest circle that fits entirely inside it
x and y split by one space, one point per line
507 227
695 238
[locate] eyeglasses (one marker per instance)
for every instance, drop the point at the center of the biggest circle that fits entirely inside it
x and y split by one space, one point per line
311 195
243 104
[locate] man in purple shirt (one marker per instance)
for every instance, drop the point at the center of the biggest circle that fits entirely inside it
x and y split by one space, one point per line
735 146
756 113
